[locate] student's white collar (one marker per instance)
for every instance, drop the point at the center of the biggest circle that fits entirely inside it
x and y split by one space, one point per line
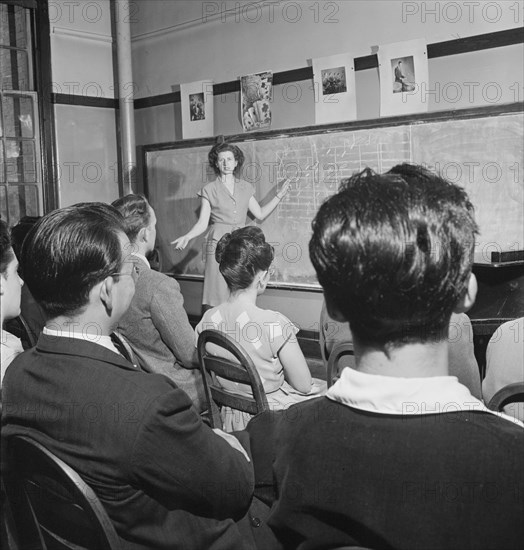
82 335
405 396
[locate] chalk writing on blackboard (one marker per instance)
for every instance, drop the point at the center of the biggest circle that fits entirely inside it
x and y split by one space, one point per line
482 154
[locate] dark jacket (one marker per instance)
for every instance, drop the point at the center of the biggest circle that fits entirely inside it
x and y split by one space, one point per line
166 480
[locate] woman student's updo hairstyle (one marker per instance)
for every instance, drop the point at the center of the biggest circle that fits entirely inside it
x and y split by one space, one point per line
221 145
241 254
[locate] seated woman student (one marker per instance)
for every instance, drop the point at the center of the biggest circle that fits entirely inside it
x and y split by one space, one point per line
269 337
10 289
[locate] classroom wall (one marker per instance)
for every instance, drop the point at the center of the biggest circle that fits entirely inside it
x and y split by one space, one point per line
184 41
82 65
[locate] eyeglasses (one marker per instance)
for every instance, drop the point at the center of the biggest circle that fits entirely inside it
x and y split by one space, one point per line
133 273
271 270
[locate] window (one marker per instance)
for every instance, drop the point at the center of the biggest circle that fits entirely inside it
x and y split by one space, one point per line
20 168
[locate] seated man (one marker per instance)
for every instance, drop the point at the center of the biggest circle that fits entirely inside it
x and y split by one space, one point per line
505 363
166 479
156 323
398 454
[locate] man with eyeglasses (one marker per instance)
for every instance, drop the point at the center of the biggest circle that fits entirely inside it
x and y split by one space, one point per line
164 477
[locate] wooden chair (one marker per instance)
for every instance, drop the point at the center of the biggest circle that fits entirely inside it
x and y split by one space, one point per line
506 395
242 371
333 366
51 501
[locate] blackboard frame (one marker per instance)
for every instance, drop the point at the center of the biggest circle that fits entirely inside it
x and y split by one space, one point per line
381 122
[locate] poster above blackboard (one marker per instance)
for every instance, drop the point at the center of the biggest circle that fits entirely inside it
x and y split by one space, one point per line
481 149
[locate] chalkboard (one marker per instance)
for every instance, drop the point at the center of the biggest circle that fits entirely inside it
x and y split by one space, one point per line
480 149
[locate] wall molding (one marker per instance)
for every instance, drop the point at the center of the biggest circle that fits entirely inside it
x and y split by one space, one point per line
83 35
191 23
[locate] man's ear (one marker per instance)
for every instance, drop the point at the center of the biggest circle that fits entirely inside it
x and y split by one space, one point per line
333 310
105 293
468 296
143 235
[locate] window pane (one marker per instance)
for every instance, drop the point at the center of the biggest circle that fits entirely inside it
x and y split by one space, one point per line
22 201
13 26
15 71
3 203
18 116
21 161
2 163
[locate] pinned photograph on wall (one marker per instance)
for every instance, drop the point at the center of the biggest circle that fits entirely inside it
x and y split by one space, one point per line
196 102
334 84
256 91
403 71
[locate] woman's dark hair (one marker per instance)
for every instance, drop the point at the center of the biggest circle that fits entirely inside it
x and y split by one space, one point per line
220 147
241 255
6 250
68 252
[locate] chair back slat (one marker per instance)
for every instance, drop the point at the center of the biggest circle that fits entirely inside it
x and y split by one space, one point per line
227 369
240 402
333 366
67 513
242 371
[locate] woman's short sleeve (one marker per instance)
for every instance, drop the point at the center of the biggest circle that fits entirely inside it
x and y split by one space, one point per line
206 193
280 331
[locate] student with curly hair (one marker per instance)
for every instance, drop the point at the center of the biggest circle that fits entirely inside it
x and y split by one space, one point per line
398 454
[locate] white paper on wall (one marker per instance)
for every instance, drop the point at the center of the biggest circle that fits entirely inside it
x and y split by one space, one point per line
334 82
403 71
196 99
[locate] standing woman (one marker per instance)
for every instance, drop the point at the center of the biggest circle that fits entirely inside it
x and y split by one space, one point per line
225 203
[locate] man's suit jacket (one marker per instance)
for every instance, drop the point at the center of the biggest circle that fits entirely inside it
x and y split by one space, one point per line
166 480
157 327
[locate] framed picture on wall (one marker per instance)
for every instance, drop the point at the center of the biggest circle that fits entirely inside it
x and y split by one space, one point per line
334 84
196 102
403 70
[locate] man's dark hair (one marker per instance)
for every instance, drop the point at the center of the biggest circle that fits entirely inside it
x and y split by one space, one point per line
394 253
68 252
241 254
6 251
136 213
